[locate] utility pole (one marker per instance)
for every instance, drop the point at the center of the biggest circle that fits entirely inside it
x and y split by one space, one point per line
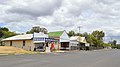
79 46
79 27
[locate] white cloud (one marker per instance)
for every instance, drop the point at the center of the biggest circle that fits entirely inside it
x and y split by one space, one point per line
35 7
62 14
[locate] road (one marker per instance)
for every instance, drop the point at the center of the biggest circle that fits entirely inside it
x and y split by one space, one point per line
100 58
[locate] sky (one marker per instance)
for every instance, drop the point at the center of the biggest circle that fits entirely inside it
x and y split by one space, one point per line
21 15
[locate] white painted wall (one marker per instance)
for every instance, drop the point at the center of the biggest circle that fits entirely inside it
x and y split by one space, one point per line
64 37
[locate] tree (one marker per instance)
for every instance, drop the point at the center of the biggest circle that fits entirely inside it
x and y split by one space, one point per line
95 38
71 33
98 34
114 42
37 29
102 34
88 37
85 34
4 29
78 34
44 30
8 34
106 45
4 33
29 32
1 33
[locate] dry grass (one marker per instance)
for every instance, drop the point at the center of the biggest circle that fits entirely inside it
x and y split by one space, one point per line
13 50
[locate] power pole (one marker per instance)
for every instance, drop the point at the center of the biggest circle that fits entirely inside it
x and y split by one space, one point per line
79 46
79 27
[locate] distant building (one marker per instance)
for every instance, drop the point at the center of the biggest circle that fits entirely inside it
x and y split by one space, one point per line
78 43
62 37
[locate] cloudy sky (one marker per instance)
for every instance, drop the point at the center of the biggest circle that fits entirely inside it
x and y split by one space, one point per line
21 15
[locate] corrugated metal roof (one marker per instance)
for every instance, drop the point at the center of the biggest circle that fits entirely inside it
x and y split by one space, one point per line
78 38
74 38
20 37
83 40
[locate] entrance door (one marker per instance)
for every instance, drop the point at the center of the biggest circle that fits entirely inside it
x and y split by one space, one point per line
40 47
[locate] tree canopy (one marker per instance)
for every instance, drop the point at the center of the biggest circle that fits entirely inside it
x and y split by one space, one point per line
98 34
37 29
5 32
71 33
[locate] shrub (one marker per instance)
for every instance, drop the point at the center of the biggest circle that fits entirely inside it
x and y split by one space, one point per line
116 46
106 45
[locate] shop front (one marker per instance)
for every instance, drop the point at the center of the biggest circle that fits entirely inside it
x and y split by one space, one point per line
41 44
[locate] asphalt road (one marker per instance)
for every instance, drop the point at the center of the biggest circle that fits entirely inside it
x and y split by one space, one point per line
102 58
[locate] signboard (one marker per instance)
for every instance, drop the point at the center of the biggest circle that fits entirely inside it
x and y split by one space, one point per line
39 39
40 35
51 40
36 40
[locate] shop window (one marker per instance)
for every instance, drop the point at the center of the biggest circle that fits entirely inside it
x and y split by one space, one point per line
64 44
